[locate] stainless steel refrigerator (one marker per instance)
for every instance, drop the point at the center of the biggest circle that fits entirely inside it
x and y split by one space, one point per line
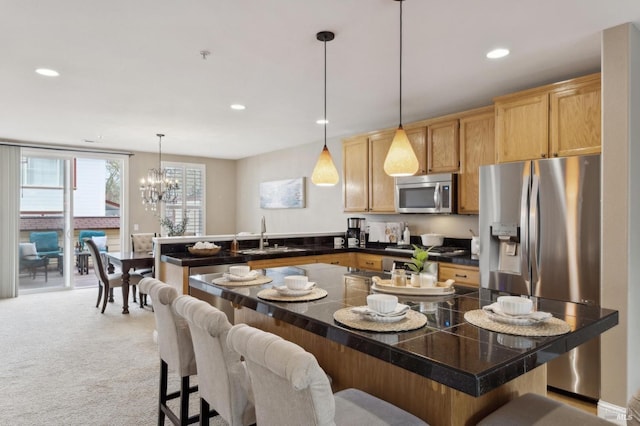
540 236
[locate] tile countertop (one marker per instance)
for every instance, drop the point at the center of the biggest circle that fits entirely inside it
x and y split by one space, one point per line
447 350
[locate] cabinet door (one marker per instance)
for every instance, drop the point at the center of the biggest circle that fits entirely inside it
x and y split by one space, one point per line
381 185
372 262
522 128
355 168
467 275
575 121
418 138
443 147
476 149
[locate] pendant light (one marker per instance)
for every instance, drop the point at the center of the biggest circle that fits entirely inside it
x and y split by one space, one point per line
401 160
325 172
158 187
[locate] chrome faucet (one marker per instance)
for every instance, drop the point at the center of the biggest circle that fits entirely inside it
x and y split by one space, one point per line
263 230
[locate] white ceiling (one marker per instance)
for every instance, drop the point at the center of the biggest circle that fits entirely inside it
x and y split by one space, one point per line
131 69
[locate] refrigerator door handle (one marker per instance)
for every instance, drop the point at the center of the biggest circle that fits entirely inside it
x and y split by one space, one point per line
436 196
534 218
524 229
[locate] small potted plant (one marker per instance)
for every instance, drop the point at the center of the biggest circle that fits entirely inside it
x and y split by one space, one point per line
419 262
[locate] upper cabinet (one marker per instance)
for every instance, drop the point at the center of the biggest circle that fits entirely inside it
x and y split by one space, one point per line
559 119
418 137
366 187
443 147
355 168
476 149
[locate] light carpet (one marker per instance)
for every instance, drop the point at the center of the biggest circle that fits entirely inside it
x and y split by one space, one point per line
62 362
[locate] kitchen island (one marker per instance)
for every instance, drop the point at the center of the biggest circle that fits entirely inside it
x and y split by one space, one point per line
448 372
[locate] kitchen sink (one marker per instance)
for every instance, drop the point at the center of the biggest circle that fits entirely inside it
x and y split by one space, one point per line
270 250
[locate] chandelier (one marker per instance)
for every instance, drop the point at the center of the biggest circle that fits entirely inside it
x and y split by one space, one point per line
158 187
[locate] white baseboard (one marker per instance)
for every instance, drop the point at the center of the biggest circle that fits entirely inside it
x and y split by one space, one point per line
612 413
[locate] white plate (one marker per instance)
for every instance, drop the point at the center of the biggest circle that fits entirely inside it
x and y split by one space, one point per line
252 275
493 311
415 291
283 290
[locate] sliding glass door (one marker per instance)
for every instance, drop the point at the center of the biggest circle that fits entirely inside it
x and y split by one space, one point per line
61 194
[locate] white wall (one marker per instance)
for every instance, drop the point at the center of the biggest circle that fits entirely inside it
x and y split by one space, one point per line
620 209
324 204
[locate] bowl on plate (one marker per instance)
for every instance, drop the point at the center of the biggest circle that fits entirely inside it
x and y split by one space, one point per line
515 305
383 303
203 252
239 270
296 282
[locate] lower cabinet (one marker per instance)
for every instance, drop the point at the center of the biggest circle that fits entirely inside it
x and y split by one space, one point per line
343 259
462 274
372 262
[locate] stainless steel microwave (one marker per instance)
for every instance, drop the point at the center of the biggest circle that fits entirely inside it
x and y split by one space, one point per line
426 193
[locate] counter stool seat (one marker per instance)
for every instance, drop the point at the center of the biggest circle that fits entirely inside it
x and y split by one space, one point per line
533 409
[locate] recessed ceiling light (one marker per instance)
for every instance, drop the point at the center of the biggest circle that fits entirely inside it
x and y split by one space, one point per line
238 107
498 53
322 121
47 72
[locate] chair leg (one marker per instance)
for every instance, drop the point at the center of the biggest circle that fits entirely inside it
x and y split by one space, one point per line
162 401
111 295
99 293
204 412
134 294
184 401
106 292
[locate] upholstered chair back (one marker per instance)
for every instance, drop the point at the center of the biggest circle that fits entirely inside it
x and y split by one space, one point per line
289 387
222 378
142 242
174 338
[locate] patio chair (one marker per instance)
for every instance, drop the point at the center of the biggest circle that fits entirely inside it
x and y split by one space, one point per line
89 234
47 245
30 260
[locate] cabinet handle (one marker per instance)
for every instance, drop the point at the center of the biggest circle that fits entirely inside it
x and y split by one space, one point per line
543 155
555 154
461 276
368 263
335 263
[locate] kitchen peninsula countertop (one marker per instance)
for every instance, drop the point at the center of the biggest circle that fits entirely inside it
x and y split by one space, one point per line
184 258
448 350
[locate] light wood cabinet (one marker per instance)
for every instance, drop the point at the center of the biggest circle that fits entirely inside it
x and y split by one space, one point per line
443 147
476 149
366 186
381 185
462 274
368 261
342 259
355 168
418 137
281 261
559 119
575 124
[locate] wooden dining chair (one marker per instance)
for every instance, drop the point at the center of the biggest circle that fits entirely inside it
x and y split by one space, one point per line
106 282
142 243
290 388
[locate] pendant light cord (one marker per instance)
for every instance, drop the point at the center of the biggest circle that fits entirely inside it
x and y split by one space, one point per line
325 93
400 1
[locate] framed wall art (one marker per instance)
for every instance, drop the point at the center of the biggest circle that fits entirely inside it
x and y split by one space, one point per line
283 194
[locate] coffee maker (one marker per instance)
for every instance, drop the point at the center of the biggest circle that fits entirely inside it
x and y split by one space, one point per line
354 226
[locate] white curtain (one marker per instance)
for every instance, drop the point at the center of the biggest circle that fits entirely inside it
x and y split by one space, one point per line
9 219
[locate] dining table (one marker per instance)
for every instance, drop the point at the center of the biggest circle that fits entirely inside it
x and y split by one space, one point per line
128 260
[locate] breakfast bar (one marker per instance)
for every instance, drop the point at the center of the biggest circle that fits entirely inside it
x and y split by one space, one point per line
446 372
